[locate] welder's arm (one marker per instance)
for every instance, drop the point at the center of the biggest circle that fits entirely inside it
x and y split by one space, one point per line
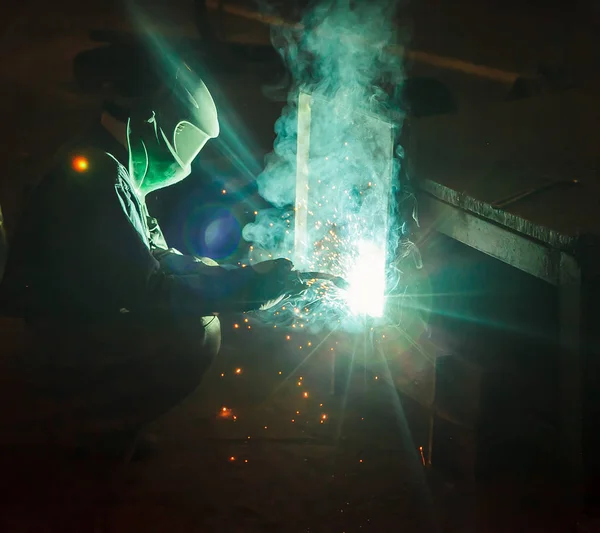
110 255
190 285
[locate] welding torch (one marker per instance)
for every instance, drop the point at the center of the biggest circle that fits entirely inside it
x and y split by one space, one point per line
305 277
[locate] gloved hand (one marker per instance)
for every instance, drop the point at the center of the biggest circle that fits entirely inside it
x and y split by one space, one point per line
275 280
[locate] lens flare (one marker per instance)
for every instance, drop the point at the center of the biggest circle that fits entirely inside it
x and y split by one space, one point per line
80 163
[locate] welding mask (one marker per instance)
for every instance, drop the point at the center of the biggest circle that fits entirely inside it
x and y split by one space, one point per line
166 133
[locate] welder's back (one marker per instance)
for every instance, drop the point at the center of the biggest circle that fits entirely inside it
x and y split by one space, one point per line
90 352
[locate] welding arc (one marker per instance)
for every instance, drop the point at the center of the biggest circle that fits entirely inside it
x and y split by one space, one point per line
336 280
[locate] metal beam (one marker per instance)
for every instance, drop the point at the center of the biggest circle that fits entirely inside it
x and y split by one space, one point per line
558 268
302 186
571 367
500 243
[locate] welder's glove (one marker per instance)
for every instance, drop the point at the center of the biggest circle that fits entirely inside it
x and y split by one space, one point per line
274 281
200 286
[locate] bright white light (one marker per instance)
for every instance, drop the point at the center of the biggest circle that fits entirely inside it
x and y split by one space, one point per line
366 278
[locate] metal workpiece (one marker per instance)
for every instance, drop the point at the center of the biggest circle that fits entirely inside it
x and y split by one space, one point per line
531 191
520 182
523 154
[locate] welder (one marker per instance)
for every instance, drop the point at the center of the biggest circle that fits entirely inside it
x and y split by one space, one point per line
120 327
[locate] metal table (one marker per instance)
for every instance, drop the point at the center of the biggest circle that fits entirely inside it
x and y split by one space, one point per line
530 150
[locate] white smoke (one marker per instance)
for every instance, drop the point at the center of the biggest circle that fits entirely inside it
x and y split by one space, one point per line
341 55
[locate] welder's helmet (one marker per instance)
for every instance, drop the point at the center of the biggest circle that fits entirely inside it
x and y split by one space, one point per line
167 131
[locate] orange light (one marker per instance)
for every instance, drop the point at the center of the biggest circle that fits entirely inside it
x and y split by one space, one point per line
80 163
232 458
225 412
305 394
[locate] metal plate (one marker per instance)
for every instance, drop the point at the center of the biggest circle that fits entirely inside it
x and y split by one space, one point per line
344 182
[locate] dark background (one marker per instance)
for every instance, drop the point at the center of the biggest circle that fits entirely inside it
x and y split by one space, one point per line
490 315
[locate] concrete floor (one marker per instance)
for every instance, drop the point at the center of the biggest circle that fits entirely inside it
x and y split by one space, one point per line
359 470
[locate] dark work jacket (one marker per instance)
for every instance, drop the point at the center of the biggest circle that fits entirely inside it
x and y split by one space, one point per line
86 247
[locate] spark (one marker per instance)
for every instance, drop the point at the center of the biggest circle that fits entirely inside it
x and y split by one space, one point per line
225 412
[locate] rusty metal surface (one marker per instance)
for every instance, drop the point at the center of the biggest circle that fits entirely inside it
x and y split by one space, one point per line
472 160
